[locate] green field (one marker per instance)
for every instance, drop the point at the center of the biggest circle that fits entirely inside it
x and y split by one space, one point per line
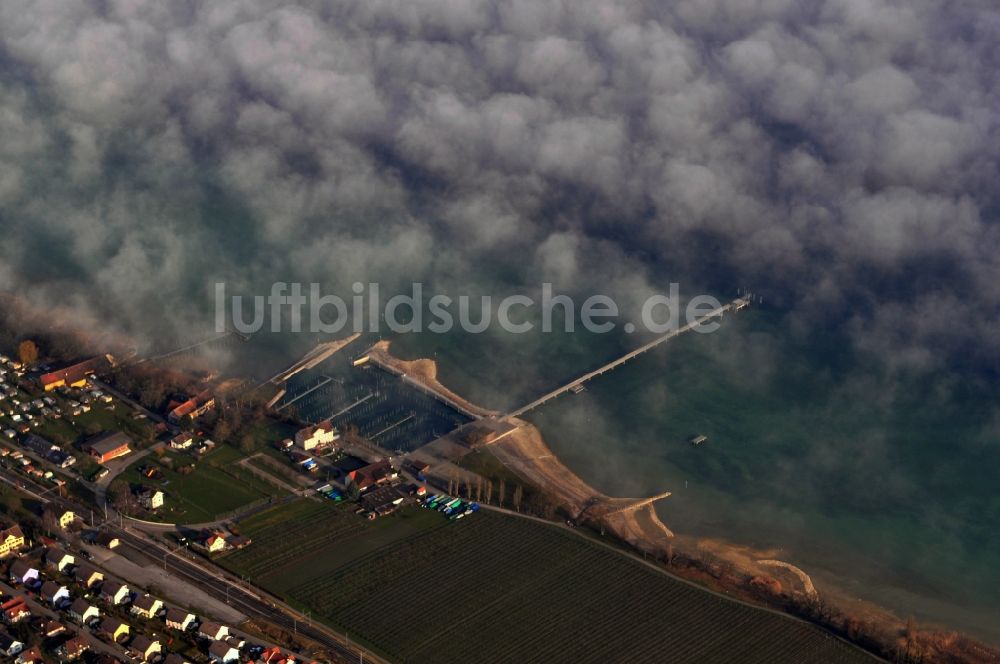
216 486
306 539
495 588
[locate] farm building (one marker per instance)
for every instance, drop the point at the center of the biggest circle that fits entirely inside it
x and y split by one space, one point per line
383 500
373 474
107 446
74 375
194 407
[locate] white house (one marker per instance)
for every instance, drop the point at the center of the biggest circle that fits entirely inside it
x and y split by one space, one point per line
213 631
318 435
223 653
82 611
114 592
179 619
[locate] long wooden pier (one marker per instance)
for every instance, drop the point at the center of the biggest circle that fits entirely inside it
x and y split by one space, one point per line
735 305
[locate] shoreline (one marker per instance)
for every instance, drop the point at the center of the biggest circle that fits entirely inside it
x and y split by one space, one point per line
781 583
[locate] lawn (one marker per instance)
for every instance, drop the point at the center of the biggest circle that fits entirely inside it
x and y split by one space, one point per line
496 588
217 486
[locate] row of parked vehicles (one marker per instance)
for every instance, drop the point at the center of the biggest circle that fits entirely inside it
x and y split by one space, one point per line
453 508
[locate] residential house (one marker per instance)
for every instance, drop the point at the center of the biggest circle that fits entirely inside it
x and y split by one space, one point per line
32 655
15 610
213 631
182 441
9 645
23 573
373 474
144 647
146 606
74 648
274 655
212 542
83 612
11 539
53 628
107 446
54 594
223 653
87 575
150 498
180 619
317 435
108 540
58 559
174 658
113 628
194 407
63 518
114 592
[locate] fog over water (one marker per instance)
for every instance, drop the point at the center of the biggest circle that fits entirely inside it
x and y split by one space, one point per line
838 156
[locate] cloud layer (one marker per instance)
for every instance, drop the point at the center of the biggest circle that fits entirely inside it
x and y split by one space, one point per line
840 154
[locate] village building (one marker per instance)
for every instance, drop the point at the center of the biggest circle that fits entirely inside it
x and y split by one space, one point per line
149 497
107 446
58 559
83 612
380 472
114 629
182 441
11 539
174 658
75 375
144 647
87 575
32 655
146 606
114 592
194 407
212 631
74 648
15 610
23 573
180 619
318 435
223 653
54 594
9 645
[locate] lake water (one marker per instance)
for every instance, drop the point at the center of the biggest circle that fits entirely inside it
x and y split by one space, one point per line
881 480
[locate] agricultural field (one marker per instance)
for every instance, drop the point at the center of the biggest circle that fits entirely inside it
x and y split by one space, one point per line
496 588
216 486
304 540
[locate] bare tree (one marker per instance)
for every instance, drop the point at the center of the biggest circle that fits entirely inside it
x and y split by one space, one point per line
489 491
501 492
479 488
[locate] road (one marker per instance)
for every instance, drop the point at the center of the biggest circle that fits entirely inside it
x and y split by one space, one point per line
252 601
244 599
